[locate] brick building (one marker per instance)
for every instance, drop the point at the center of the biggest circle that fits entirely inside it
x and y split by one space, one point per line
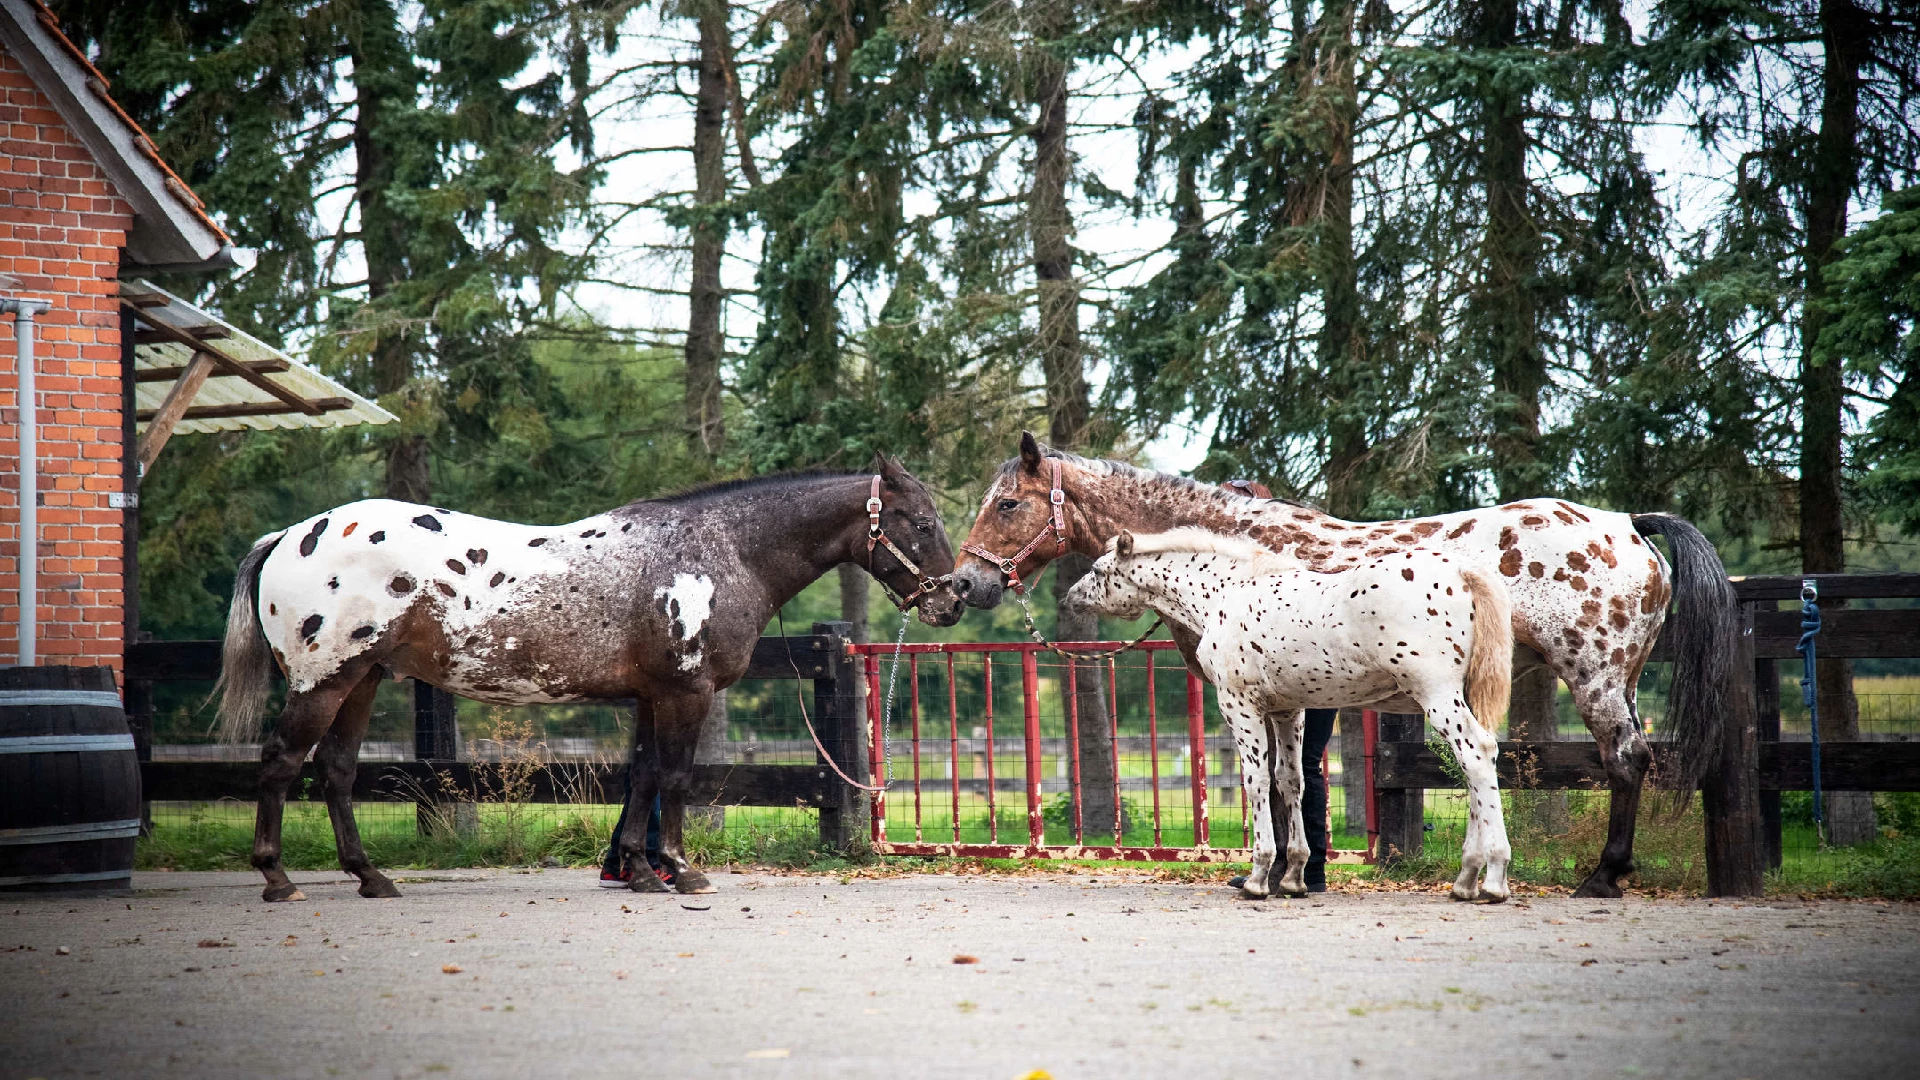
86 207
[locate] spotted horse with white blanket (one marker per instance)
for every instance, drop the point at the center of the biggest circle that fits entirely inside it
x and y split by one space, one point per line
1416 627
659 601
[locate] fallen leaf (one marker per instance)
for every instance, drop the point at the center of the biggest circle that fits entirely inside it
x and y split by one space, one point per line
291 940
963 958
767 1053
619 974
450 969
1588 963
62 951
209 943
684 954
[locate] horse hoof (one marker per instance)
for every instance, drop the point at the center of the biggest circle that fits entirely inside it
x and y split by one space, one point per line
1251 893
1493 897
694 883
1465 896
283 893
377 887
1598 887
648 882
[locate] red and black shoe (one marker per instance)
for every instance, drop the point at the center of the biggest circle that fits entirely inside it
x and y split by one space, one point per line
666 874
612 880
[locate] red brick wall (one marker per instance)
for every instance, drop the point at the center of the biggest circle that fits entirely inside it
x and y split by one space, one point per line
62 225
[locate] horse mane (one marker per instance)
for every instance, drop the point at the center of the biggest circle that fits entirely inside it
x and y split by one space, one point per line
1110 467
1205 541
773 480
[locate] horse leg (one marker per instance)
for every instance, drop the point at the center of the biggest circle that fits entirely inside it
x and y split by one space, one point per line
643 783
1250 738
1292 782
307 716
1623 750
1486 846
338 758
677 733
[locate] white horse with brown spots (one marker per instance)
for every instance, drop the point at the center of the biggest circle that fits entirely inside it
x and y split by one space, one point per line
1589 594
1415 628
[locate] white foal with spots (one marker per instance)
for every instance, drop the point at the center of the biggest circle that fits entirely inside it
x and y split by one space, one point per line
1416 626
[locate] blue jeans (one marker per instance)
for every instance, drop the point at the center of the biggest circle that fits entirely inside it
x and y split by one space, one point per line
1313 800
613 862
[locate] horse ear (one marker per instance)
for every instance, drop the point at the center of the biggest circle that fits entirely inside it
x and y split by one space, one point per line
1030 452
1123 544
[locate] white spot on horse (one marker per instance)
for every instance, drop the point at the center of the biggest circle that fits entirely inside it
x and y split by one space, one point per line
687 603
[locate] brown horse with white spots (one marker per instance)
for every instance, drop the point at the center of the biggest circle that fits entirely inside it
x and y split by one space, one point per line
660 601
1588 593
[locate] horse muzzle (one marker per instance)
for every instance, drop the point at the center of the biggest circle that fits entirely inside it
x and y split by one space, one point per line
979 585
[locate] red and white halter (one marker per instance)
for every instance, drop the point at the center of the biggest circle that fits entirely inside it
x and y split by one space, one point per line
877 536
1056 525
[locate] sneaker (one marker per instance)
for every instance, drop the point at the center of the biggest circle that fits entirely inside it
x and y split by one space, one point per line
1236 882
666 874
611 880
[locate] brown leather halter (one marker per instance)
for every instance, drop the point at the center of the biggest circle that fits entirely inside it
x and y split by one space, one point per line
1056 524
877 535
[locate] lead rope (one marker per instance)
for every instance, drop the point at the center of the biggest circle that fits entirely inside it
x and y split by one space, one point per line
886 751
1810 690
1033 631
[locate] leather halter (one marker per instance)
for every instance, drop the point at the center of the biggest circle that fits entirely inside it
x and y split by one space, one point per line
878 536
1056 525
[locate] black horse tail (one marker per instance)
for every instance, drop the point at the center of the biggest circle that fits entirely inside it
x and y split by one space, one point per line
1703 632
246 660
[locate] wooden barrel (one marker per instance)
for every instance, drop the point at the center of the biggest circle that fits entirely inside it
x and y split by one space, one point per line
69 781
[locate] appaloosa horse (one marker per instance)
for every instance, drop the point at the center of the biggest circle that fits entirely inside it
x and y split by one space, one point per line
1417 626
1588 593
660 601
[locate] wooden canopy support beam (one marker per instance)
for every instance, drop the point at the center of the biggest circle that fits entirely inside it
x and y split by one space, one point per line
161 423
168 374
232 366
262 408
208 332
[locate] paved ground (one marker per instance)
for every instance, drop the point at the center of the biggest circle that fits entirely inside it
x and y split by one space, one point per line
497 973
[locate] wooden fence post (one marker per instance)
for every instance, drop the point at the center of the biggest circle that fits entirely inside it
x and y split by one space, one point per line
1402 811
1730 795
1766 697
843 731
436 737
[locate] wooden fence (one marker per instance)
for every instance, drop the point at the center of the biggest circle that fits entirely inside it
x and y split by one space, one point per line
820 657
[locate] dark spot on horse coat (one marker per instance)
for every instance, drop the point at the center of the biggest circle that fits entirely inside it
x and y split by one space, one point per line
457 567
273 609
1461 529
1579 583
498 577
1508 537
348 531
445 588
477 556
376 536
333 583
311 627
362 632
401 585
1406 573
428 522
1537 569
1576 560
536 541
312 539
1510 562
1533 521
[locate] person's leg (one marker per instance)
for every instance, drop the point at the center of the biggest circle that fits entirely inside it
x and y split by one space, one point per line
1313 800
610 869
653 834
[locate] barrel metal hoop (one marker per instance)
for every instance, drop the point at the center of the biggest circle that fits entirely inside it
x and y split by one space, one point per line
99 699
67 834
62 879
65 744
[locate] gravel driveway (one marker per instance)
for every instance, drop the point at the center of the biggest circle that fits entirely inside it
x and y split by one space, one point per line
504 973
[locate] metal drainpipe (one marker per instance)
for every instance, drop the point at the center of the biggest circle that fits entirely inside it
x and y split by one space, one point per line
26 399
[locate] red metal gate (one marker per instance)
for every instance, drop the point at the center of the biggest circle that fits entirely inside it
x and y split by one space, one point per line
973 826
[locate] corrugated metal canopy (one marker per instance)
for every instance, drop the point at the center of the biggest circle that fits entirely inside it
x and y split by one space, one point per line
273 390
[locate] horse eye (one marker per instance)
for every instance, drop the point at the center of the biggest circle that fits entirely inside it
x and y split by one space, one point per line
1009 504
924 527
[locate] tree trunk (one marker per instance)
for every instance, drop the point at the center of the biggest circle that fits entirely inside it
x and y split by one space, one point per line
854 584
1342 346
1090 690
1051 225
1832 176
384 85
1507 308
706 430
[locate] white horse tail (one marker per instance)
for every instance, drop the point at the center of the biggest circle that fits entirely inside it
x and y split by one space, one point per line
246 661
1490 662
